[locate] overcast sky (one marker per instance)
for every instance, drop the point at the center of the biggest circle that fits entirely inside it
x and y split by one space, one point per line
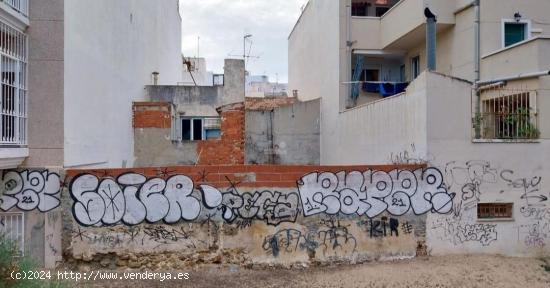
221 24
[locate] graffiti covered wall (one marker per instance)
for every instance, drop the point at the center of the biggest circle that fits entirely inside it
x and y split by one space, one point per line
256 214
274 214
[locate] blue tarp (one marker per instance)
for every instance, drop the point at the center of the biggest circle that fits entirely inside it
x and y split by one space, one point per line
385 89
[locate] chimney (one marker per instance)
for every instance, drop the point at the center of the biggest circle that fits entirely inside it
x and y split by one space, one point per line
431 31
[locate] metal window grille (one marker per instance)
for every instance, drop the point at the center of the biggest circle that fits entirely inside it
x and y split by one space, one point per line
21 6
212 123
494 210
13 99
12 228
507 114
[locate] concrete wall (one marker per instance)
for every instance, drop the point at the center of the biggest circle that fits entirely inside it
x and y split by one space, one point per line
288 135
431 123
372 131
189 100
112 47
203 100
45 81
482 172
246 215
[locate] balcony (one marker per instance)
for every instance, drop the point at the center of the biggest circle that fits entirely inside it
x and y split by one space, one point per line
402 26
381 75
531 55
20 6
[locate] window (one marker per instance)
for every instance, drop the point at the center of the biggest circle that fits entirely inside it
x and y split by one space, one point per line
508 116
13 99
200 128
12 227
415 67
515 31
494 210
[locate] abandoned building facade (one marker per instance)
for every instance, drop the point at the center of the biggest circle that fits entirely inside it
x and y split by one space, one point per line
420 131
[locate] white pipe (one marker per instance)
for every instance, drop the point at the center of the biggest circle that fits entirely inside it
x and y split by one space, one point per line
516 77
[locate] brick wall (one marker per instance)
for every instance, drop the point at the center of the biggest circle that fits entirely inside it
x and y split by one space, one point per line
251 176
151 115
229 150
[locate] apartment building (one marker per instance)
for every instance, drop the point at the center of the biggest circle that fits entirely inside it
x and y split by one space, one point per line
70 73
260 86
480 114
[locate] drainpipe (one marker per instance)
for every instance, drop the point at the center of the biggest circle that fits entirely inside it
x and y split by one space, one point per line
477 64
349 44
431 31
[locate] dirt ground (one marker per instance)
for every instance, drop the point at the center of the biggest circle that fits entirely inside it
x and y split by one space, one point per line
450 271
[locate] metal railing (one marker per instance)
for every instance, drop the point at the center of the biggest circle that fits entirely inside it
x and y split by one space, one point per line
507 114
21 6
13 81
12 227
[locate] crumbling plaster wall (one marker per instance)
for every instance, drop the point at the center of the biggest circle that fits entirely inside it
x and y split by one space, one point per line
287 135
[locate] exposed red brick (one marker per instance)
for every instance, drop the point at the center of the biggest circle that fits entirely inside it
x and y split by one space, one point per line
151 115
229 150
243 176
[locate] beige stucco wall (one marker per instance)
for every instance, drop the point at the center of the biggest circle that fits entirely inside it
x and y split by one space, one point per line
508 172
45 82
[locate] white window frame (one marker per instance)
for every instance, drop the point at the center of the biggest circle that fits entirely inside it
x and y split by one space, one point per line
178 131
513 21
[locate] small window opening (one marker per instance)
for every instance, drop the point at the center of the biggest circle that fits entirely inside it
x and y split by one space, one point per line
494 210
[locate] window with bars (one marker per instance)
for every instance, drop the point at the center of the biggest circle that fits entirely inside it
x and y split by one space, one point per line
494 210
508 114
13 99
12 227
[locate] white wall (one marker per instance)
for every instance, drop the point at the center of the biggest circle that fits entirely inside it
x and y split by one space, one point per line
313 52
372 132
111 49
485 169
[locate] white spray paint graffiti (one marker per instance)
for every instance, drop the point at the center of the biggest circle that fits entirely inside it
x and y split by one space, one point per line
372 192
132 199
29 190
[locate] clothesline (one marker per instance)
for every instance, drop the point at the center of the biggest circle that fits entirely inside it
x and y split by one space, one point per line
375 82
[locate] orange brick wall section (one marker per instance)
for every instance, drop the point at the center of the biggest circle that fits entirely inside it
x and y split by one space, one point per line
151 115
223 176
229 150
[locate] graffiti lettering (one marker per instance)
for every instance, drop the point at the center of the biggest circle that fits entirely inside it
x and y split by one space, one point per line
30 190
373 192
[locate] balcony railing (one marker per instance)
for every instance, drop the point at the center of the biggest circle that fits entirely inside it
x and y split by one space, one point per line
507 115
21 6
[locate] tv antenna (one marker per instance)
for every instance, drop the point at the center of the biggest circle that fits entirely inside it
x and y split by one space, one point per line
246 56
